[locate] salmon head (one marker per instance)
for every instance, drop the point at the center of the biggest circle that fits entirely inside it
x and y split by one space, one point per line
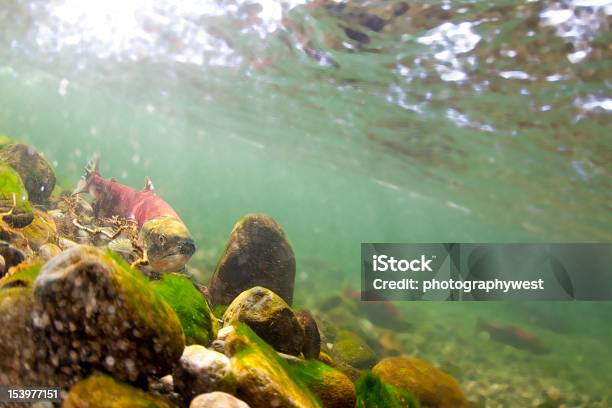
167 243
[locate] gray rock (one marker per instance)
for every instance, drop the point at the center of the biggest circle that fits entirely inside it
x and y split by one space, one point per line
200 371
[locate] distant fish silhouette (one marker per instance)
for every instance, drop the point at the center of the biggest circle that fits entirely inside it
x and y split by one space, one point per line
513 336
381 313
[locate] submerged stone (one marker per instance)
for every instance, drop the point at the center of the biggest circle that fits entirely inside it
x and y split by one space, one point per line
9 256
92 311
264 379
18 349
330 386
312 338
102 391
217 399
201 370
257 254
372 392
351 349
14 200
269 316
198 322
36 173
42 230
433 387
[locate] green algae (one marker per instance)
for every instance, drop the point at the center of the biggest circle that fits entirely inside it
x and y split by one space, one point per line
101 391
372 392
13 193
147 304
254 361
329 385
23 276
199 324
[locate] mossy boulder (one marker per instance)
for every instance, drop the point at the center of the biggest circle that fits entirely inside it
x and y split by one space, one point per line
41 230
102 391
14 198
257 254
372 392
93 312
348 347
433 387
198 322
269 316
37 174
330 386
264 379
200 371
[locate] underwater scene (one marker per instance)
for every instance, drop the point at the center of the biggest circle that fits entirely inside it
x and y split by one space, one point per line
185 187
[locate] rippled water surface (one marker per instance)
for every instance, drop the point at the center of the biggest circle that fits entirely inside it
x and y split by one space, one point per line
349 122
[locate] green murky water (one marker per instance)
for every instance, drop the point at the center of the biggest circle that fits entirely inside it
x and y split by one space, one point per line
365 121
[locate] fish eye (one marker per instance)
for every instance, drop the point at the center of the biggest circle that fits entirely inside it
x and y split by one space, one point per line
162 239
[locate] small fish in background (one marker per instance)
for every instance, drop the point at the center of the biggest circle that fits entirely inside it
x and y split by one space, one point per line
381 313
164 238
513 336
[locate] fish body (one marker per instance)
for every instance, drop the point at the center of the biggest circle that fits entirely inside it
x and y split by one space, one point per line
163 235
513 336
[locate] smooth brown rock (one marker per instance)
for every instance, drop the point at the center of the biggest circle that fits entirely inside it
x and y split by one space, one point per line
257 254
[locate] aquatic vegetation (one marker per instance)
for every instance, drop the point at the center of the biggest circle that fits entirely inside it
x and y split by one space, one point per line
372 392
257 254
433 387
23 275
102 391
15 205
329 385
269 316
199 324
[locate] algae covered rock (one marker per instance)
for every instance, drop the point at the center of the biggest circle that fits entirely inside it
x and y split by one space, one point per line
201 370
36 173
198 322
433 387
102 391
14 200
257 254
92 311
9 256
269 316
41 230
264 379
217 399
372 392
351 349
332 388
